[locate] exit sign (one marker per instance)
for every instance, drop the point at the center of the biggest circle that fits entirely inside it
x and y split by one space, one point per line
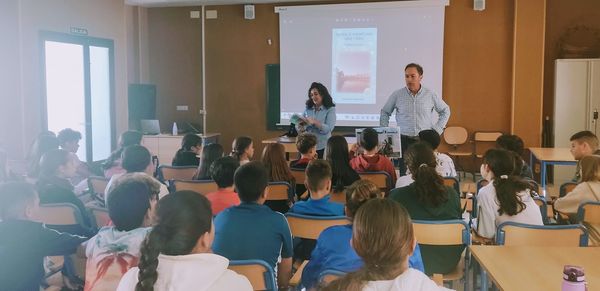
79 31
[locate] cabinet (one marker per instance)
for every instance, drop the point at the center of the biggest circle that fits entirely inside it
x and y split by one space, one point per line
576 99
164 146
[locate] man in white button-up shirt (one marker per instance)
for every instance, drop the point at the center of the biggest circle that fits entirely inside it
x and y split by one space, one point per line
415 106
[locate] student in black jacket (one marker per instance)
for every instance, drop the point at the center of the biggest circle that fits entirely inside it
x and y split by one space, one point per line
24 243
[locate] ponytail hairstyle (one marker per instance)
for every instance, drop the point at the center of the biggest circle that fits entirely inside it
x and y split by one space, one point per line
429 184
382 235
239 146
210 153
183 217
501 163
358 193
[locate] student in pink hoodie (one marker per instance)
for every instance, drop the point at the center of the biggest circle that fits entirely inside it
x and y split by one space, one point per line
371 160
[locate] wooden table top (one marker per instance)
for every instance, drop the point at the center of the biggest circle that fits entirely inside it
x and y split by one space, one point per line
536 268
553 154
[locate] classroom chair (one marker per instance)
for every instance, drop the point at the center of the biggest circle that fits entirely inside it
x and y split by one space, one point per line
588 214
456 136
452 182
445 233
546 212
381 179
310 227
167 173
259 273
100 215
329 276
299 175
97 187
482 141
201 186
519 234
60 214
280 191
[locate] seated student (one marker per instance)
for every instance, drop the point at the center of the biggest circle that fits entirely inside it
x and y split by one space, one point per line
371 160
44 142
506 197
583 143
209 154
69 141
136 159
177 255
187 155
445 165
427 198
252 231
242 149
318 182
338 157
586 191
116 249
112 165
306 144
514 143
333 250
273 157
53 185
222 171
24 243
383 237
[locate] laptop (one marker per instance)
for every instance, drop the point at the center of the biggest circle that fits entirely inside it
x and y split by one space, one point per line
150 126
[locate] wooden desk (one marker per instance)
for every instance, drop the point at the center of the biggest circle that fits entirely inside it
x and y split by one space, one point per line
535 268
166 145
550 156
289 143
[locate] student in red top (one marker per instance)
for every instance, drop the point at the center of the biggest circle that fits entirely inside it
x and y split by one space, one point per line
371 160
222 171
306 144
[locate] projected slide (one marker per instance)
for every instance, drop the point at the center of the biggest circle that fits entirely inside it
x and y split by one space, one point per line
354 65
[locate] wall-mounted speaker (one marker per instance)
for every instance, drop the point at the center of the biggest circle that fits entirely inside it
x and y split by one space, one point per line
478 5
249 12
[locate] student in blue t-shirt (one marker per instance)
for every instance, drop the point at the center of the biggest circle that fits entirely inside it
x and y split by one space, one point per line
318 182
251 230
333 250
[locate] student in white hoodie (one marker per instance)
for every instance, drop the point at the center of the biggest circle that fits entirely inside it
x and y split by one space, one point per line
383 237
177 253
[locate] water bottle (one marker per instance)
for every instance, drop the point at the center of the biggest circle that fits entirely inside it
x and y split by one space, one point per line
174 128
573 279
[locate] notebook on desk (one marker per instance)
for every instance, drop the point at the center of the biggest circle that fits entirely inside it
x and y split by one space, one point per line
150 126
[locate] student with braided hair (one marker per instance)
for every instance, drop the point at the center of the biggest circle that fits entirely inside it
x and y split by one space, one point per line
383 237
177 255
506 197
427 198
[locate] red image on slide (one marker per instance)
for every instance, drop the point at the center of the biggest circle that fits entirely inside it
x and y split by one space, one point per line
352 72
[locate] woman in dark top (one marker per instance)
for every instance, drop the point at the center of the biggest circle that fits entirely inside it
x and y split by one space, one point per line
187 155
339 158
56 167
209 154
427 198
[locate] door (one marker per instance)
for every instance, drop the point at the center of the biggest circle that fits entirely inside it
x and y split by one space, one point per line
79 90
